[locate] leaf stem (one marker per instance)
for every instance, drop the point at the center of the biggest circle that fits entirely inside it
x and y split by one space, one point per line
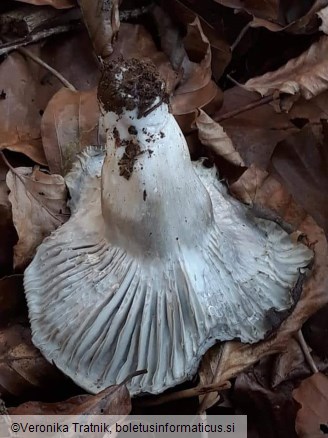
43 64
306 352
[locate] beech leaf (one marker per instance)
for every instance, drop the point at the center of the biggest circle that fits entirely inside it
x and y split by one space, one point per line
59 4
69 123
39 206
211 134
114 400
306 75
312 418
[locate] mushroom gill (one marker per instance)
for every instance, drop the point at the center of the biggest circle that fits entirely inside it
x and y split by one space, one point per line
157 261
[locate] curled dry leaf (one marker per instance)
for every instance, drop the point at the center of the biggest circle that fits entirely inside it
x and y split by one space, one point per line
69 123
312 394
12 300
306 75
323 14
102 21
23 370
293 16
211 134
114 400
20 108
255 133
232 358
39 206
220 49
300 162
191 57
59 4
7 230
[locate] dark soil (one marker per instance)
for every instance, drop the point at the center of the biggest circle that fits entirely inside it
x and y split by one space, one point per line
130 84
126 163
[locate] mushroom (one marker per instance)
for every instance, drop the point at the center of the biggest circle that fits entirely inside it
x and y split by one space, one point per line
157 262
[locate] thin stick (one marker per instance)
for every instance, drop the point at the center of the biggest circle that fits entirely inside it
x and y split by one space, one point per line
306 352
43 64
250 106
187 393
30 39
240 36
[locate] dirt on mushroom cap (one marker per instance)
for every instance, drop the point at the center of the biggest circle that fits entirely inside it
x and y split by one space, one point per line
130 84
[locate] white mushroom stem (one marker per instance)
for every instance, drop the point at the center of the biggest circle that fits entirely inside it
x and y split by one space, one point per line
163 204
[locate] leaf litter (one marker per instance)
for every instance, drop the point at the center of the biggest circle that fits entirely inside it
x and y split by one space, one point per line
275 149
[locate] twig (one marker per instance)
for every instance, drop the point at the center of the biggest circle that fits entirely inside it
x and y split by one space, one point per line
30 39
131 376
14 171
306 352
39 61
240 36
250 106
187 393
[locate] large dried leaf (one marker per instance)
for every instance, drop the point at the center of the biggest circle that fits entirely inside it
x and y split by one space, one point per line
220 49
39 206
102 21
312 394
265 9
191 57
211 134
12 300
294 16
23 371
306 75
301 163
255 132
70 122
59 4
114 400
271 412
7 229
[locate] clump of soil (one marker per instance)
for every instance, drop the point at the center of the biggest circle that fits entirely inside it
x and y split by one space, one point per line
126 163
126 85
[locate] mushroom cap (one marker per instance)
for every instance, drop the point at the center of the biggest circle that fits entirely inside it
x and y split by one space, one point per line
156 263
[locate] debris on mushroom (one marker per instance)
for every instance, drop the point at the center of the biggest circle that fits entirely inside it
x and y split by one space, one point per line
157 261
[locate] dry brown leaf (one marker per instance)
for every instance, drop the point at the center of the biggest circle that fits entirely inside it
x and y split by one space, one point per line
301 163
69 123
220 49
191 57
102 20
306 75
286 362
23 371
312 418
12 300
323 14
38 205
255 133
211 134
271 412
293 16
7 230
114 400
59 4
268 9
